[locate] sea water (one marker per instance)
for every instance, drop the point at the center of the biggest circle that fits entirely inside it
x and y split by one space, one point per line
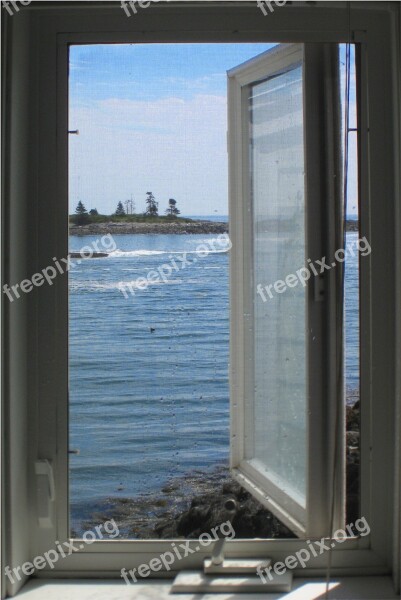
149 392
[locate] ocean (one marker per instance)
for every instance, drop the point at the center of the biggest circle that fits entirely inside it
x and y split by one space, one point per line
149 397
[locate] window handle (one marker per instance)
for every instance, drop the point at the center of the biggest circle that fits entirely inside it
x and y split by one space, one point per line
218 551
46 491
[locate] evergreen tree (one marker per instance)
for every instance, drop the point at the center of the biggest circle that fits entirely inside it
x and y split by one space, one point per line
152 207
93 212
81 210
172 210
120 212
81 216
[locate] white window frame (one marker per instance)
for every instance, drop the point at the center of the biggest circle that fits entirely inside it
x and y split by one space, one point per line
36 332
323 199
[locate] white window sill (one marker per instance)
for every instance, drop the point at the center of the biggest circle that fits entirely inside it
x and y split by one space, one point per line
344 588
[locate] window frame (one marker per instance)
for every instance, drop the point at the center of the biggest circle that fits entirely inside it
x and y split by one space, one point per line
40 392
323 236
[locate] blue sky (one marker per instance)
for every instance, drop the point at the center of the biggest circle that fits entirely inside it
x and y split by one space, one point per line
152 117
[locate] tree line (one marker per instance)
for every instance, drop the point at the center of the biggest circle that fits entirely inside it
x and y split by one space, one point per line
82 216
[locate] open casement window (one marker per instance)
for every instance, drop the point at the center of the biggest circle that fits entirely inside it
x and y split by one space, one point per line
286 321
36 331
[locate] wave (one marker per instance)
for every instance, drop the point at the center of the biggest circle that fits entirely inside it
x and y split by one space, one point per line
127 285
123 253
130 253
97 286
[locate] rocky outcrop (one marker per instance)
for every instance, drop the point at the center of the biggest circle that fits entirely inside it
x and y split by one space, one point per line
351 225
91 255
167 227
352 462
172 227
188 506
230 502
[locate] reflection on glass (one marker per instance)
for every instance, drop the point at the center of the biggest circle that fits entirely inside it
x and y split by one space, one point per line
278 409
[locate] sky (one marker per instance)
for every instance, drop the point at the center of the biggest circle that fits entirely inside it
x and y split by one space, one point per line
151 117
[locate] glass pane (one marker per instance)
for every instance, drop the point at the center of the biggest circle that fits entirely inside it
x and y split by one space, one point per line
276 411
355 249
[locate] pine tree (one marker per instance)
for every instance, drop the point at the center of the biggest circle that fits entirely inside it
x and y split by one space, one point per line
81 216
172 210
81 210
152 207
120 212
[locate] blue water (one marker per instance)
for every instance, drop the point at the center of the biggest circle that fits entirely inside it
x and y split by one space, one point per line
145 406
149 405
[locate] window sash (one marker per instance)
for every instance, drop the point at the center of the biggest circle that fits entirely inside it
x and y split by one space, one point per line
323 320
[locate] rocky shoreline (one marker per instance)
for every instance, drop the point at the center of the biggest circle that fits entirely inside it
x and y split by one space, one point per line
172 227
188 506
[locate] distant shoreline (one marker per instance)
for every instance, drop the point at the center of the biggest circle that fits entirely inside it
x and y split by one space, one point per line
171 227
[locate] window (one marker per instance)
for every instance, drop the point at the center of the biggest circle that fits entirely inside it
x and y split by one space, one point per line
165 340
273 108
36 338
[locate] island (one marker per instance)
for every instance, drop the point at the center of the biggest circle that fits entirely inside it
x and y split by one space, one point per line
161 225
127 221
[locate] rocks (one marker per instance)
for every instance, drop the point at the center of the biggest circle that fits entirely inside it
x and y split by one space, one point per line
170 227
352 461
92 255
188 506
229 503
352 416
352 438
224 501
351 225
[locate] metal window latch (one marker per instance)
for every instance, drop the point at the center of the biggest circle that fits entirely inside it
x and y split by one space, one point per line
46 492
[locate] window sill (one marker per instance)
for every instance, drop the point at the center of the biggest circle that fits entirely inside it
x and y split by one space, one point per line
344 588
